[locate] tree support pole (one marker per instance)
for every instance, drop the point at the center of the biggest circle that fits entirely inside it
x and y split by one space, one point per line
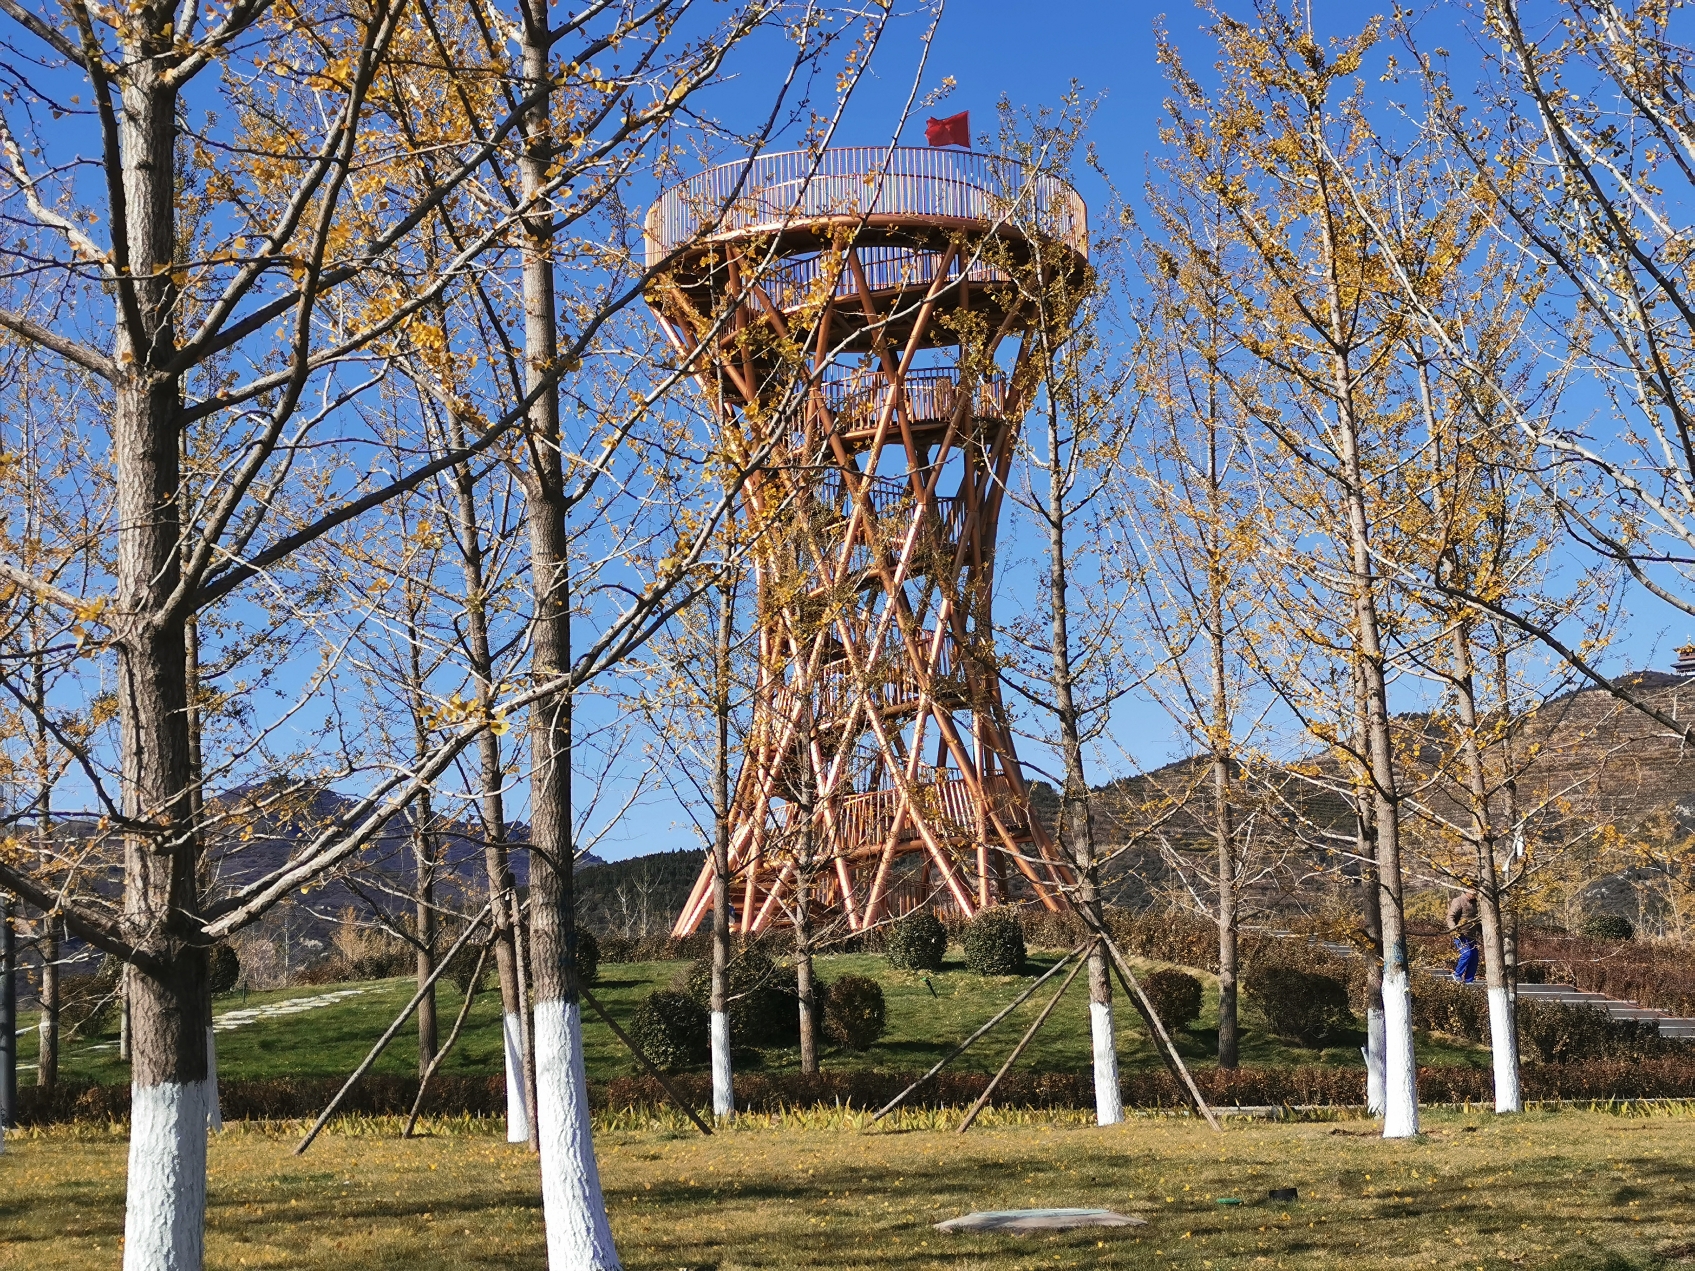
989 1090
647 1063
388 1036
963 1046
1162 1039
453 1036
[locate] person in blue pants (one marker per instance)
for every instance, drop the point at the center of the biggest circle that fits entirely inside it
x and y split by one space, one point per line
1466 928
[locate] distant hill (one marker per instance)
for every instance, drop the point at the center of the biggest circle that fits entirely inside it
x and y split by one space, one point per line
638 897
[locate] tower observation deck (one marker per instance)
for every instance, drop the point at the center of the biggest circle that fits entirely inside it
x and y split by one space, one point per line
859 318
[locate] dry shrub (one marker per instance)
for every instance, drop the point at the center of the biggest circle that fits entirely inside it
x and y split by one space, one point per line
1657 973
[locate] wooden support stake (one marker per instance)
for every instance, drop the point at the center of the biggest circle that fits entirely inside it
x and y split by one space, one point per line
988 1090
388 1036
960 1049
647 1063
1162 1039
452 1036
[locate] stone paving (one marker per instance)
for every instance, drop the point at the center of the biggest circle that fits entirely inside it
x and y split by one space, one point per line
225 1021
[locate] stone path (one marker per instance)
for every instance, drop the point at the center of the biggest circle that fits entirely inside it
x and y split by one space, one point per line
239 1018
275 1010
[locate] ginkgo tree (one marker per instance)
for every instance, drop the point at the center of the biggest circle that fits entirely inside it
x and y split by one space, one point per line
232 270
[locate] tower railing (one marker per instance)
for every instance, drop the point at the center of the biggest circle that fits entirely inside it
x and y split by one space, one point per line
772 191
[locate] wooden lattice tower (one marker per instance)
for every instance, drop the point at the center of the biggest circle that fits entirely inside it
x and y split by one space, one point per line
861 314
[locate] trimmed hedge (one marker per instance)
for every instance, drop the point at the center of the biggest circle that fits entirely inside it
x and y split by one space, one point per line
671 1029
918 942
857 1014
1671 1077
1308 1006
994 943
1176 996
764 997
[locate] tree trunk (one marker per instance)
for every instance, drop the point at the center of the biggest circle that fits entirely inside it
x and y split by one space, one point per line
1374 1036
423 860
8 1016
1503 1030
1076 815
578 1235
723 1084
1371 919
1224 837
1400 1115
196 808
47 1030
491 804
123 1016
806 991
164 1224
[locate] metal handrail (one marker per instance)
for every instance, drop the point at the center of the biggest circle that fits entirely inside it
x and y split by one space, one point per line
772 191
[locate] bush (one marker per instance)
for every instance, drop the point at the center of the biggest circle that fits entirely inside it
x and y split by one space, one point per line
918 942
857 1015
588 956
1552 1033
994 943
764 998
223 968
1607 927
671 1029
1176 997
1446 1006
1306 1006
618 949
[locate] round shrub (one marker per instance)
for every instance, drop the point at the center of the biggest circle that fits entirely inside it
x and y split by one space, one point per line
1304 1006
223 968
671 1029
1176 996
994 943
588 956
1607 927
857 1016
764 998
918 942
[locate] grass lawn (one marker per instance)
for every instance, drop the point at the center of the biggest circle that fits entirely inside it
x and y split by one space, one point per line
925 1020
1567 1190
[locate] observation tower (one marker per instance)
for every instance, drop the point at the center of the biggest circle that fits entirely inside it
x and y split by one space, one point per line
859 318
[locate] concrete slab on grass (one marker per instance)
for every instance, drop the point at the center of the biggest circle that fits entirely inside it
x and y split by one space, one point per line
1026 1221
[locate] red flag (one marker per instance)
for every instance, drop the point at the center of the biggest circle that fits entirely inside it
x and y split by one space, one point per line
955 130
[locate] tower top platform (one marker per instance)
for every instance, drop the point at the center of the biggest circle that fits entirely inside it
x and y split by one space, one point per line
907 196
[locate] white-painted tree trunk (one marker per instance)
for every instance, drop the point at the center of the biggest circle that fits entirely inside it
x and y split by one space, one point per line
1374 1061
167 1177
1400 1070
214 1113
1109 1105
723 1089
517 1111
578 1235
1503 1049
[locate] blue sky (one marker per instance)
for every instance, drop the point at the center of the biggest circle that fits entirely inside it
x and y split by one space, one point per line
1032 53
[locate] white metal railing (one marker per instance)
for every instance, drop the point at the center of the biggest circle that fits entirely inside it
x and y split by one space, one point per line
771 191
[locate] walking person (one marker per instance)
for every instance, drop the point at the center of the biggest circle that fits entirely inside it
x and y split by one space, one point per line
1466 927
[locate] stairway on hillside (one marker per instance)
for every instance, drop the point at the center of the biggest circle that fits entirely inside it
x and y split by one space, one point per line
1680 1027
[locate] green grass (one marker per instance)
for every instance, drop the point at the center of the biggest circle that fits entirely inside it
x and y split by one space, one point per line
1566 1191
927 1016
